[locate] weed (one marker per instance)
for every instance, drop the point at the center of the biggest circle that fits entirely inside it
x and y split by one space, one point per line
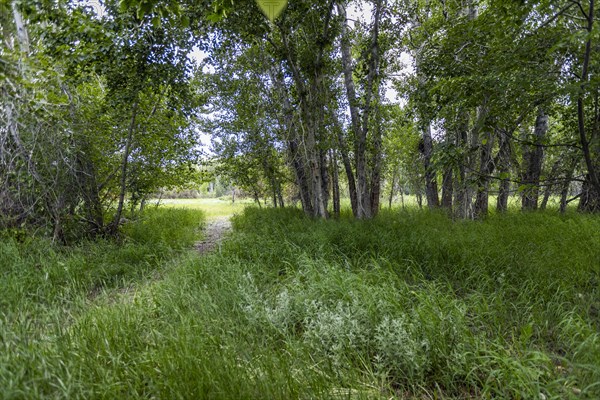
410 304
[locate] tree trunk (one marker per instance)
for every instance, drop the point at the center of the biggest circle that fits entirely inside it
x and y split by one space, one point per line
460 192
431 188
376 169
590 200
367 189
124 164
318 196
335 185
447 189
504 170
301 178
22 35
349 174
256 197
296 159
324 176
486 168
564 191
401 191
391 198
533 159
363 207
550 183
280 197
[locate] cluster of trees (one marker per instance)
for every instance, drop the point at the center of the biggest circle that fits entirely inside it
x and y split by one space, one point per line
500 99
101 106
97 111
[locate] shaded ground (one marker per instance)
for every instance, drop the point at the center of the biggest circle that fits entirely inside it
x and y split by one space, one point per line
213 234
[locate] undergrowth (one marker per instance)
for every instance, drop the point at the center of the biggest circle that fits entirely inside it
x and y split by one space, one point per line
44 289
408 305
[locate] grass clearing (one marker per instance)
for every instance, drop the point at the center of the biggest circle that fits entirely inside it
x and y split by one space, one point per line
212 208
408 305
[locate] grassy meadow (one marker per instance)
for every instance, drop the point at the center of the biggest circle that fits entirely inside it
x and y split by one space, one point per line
409 305
211 207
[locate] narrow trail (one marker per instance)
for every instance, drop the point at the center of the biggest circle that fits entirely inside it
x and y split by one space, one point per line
213 234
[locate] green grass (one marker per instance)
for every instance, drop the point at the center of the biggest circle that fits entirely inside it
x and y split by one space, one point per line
408 305
45 289
212 208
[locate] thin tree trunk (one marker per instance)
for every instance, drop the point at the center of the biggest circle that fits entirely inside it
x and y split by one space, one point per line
359 138
533 164
460 192
335 185
124 164
348 168
431 188
551 183
280 196
301 178
591 202
22 35
296 159
447 189
256 197
471 188
401 190
368 204
504 170
564 191
319 211
391 198
376 169
485 170
324 177
365 189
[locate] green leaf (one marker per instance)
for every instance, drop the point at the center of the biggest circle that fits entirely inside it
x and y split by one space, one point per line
185 21
214 17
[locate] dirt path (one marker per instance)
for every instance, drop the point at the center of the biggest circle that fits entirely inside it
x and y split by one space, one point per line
213 234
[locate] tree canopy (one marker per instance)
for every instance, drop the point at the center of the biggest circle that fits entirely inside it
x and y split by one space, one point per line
102 105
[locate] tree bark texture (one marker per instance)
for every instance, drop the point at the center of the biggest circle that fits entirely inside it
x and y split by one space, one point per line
368 181
335 185
486 168
447 189
590 200
550 183
426 148
533 159
124 165
504 156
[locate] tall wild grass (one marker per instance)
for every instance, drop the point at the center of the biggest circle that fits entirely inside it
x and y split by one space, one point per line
408 305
